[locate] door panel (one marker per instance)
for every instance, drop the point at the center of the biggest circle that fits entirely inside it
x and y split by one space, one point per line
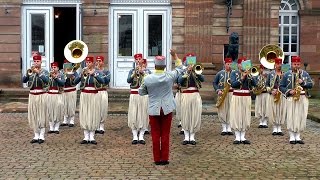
136 30
37 36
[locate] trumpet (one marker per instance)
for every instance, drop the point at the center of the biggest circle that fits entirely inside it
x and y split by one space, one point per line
31 70
198 68
254 71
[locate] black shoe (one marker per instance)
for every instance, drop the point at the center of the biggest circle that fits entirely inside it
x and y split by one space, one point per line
56 132
246 142
142 142
236 142
181 132
134 142
224 133
63 124
274 133
158 163
146 132
99 132
84 142
230 133
265 126
260 126
293 142
193 142
34 141
179 126
40 141
280 134
71 125
300 142
164 163
93 142
185 142
50 132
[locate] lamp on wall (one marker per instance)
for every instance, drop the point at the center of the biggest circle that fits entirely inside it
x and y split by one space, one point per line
95 8
229 12
305 65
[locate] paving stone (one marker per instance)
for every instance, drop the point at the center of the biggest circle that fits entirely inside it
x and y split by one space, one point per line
214 157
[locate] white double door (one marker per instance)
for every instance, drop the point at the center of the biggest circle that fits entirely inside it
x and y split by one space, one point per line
38 33
143 29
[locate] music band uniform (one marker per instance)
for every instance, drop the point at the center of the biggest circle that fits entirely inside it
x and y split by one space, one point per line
138 120
89 110
102 92
54 98
260 108
69 95
219 84
296 105
240 118
191 104
275 108
37 116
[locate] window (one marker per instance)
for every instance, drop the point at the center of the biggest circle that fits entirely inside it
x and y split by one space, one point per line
289 28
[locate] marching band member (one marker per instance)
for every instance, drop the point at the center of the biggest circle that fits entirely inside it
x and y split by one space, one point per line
36 79
240 118
55 98
158 87
294 85
191 103
138 105
89 110
275 100
260 91
103 93
221 85
69 94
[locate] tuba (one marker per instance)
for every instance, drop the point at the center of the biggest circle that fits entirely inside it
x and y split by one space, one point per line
76 51
268 53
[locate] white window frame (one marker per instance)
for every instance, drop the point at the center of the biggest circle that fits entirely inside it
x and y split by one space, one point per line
289 13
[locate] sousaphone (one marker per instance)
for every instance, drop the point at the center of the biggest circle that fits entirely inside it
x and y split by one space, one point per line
268 54
76 51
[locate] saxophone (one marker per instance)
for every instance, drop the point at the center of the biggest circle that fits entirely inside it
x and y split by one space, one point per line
225 91
277 96
261 86
297 87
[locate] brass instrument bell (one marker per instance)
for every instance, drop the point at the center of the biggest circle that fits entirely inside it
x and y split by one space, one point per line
268 53
76 51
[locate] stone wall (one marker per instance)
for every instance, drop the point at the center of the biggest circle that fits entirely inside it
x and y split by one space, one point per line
10 40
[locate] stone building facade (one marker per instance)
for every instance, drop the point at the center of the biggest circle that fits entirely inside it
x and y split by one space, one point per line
197 26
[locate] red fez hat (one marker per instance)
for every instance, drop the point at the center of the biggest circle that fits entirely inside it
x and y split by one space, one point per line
160 61
54 64
240 60
37 57
144 61
185 57
100 58
138 55
90 58
228 60
278 60
295 59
